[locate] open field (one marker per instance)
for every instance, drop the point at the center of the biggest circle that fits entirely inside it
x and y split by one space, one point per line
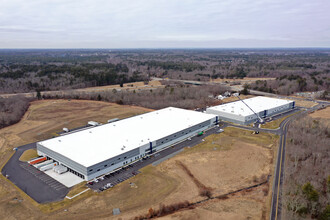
213 164
28 155
305 104
242 81
126 86
234 99
242 206
324 113
276 123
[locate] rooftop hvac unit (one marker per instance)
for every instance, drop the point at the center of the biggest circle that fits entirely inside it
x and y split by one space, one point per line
93 123
113 120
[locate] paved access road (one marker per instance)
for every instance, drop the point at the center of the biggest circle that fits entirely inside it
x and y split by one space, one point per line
276 205
38 185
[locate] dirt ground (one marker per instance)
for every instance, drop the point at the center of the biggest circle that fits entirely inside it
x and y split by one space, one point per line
324 113
223 162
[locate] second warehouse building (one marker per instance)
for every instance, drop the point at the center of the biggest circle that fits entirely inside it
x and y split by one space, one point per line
238 112
99 150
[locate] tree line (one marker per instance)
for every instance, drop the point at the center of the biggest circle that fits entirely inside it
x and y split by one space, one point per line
12 109
307 178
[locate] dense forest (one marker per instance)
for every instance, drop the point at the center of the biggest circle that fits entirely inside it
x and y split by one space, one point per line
307 172
295 70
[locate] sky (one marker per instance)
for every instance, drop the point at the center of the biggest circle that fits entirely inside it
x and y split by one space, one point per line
164 23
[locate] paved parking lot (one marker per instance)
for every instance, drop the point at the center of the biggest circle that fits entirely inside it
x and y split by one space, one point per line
38 185
42 176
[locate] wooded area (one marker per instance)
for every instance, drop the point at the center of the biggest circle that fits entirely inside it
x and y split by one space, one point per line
295 70
12 109
307 172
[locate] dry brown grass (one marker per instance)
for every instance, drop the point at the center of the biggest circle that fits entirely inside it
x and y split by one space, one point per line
126 86
224 162
323 113
234 99
28 155
305 104
244 80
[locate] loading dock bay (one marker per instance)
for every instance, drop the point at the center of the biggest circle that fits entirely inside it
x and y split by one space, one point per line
38 185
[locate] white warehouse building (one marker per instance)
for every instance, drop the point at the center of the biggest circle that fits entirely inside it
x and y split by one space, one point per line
99 150
238 112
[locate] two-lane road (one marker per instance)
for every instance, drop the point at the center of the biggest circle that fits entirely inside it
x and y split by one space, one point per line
276 205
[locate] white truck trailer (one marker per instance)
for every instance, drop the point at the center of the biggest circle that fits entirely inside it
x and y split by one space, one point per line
48 167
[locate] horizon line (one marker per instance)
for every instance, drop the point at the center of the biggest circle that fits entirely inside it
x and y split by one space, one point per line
160 48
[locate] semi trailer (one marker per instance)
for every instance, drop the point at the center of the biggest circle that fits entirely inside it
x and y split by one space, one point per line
48 167
37 160
39 165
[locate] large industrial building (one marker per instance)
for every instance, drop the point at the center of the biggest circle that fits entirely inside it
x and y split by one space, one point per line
240 113
99 150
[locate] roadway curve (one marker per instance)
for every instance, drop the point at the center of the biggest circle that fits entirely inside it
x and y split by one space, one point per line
276 205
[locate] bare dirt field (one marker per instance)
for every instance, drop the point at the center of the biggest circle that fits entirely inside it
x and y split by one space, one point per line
324 113
223 162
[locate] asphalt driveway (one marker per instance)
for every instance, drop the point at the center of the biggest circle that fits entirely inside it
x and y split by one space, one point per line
38 185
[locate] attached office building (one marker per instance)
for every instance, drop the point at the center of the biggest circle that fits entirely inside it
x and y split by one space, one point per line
238 112
99 150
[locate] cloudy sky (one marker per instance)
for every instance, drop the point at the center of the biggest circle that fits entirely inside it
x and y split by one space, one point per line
164 23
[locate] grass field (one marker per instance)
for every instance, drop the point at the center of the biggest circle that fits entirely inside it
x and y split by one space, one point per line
323 113
244 80
28 155
126 86
276 123
234 99
223 162
305 104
